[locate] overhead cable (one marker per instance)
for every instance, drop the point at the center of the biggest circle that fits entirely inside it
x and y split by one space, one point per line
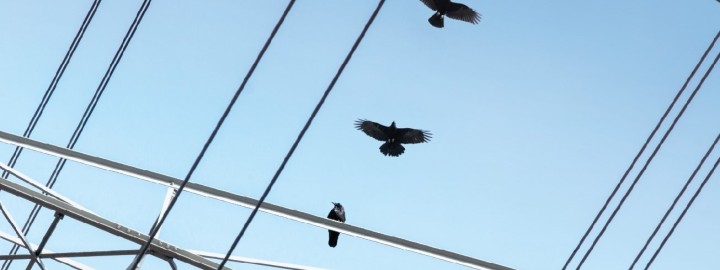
45 99
161 219
677 198
652 155
302 133
682 215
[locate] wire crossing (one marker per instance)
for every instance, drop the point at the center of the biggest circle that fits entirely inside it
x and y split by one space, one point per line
302 134
161 218
640 152
649 160
677 198
45 99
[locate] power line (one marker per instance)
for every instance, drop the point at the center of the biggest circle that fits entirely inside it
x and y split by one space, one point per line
91 106
677 198
53 84
90 109
647 163
302 133
640 152
692 200
161 219
45 99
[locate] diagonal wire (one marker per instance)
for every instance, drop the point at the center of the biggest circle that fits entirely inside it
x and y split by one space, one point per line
302 133
642 150
53 84
46 98
657 148
90 109
679 219
161 219
91 106
677 198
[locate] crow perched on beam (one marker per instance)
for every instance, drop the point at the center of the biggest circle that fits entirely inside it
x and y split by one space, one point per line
392 136
453 10
338 214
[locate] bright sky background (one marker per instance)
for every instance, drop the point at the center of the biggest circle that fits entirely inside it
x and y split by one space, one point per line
536 112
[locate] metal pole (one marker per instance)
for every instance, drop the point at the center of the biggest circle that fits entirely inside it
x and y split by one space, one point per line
45 239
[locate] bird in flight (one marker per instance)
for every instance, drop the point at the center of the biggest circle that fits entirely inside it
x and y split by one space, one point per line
392 136
338 214
453 10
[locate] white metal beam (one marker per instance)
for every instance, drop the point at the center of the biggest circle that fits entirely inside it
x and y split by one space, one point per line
249 202
157 248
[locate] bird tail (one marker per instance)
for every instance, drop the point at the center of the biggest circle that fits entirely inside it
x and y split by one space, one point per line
437 20
332 241
393 149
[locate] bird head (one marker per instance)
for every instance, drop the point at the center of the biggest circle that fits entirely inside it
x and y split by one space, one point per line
337 205
392 125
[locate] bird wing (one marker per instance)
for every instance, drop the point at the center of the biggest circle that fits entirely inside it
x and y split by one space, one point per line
341 215
462 12
430 4
332 215
372 129
409 135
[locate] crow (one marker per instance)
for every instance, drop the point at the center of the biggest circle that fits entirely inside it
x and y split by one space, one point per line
338 214
392 136
452 10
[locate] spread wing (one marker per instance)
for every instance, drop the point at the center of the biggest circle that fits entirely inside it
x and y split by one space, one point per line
430 4
462 12
372 129
409 135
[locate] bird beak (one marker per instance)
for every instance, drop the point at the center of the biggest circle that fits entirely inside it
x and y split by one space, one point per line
334 203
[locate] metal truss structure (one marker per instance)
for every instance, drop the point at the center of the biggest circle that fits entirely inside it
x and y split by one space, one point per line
65 207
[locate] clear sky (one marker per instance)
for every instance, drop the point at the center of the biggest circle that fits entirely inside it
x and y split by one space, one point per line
536 113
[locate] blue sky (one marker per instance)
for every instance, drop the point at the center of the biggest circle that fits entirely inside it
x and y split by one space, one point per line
536 113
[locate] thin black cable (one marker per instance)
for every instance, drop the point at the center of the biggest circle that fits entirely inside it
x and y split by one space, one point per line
642 150
90 108
46 98
677 198
679 219
53 84
657 148
300 136
156 227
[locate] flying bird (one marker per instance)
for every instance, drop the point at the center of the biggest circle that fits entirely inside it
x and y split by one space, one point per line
392 136
453 10
338 214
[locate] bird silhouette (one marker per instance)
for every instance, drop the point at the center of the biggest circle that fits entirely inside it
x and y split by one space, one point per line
451 9
338 214
392 136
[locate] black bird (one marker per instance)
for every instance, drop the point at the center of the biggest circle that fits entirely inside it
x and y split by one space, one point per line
392 136
338 214
452 10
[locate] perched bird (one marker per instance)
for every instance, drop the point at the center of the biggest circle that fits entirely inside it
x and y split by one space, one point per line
452 10
337 213
392 136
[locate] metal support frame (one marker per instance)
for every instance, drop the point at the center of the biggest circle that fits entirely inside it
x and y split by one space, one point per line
45 239
157 248
169 195
48 254
249 202
19 233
